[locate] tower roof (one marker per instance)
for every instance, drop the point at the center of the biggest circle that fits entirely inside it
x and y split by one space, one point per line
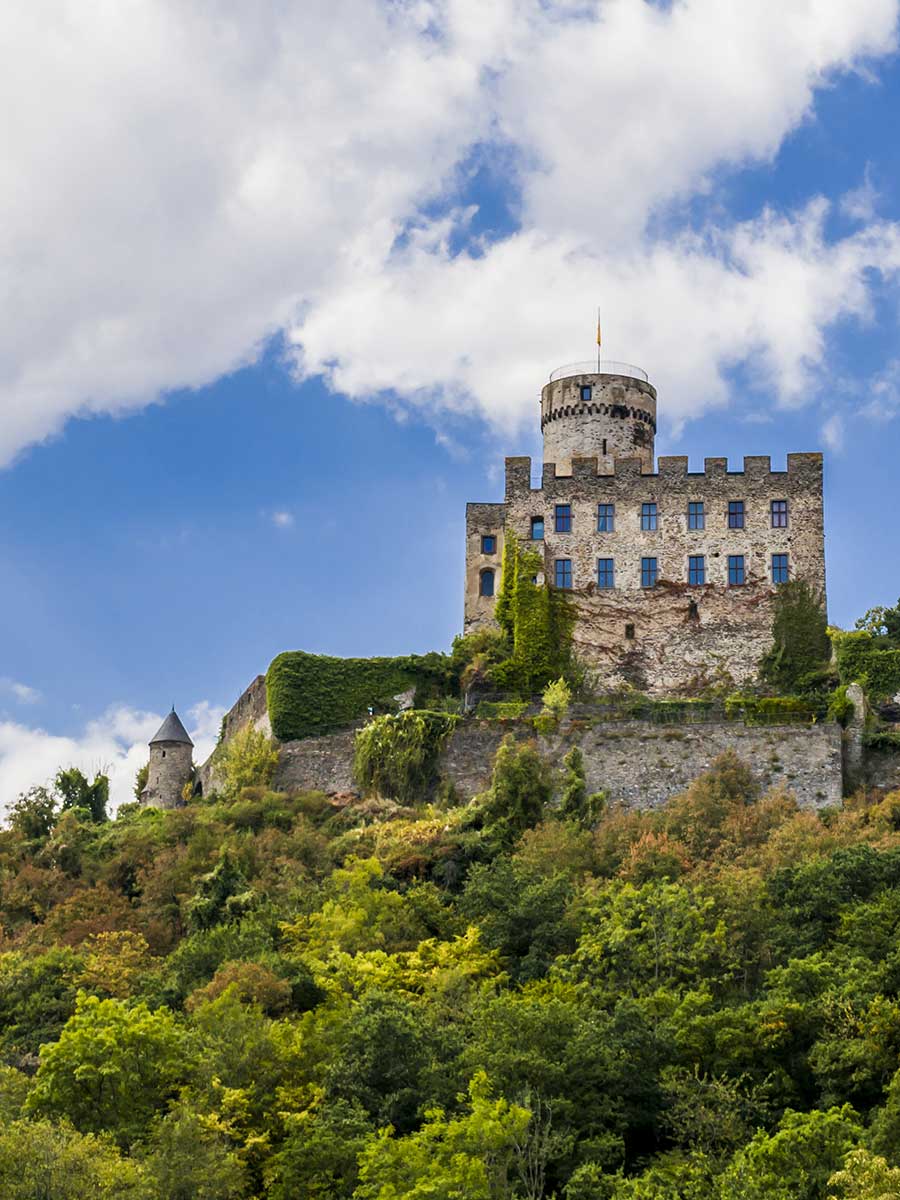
172 730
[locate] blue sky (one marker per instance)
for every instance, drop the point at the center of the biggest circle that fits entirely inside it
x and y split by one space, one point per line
263 349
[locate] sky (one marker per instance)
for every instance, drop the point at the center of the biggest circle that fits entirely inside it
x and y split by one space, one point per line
282 282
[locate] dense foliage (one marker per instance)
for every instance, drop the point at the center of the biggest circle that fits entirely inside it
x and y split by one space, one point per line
533 995
800 645
313 693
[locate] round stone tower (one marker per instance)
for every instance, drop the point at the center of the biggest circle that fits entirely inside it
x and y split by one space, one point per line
606 414
171 764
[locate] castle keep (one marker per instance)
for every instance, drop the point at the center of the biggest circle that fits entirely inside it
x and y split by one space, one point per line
672 573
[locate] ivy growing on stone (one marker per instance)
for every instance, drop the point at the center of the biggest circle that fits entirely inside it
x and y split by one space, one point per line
397 756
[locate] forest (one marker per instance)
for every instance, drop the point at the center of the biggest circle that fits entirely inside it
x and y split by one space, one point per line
534 994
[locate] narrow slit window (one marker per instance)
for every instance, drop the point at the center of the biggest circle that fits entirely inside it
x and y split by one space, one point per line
735 570
606 518
649 516
649 572
562 575
563 518
605 573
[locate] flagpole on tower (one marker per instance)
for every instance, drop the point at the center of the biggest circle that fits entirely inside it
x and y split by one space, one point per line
598 341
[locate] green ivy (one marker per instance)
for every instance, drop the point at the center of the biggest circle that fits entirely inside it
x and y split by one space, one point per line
313 693
860 660
799 636
397 756
538 621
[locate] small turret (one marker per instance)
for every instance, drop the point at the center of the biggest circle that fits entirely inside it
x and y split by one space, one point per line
171 765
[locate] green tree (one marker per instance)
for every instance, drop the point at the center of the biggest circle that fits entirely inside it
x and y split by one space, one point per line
75 791
248 759
37 997
796 1161
469 1157
319 1156
187 1158
113 1069
800 643
222 895
520 788
34 814
865 1176
43 1161
882 623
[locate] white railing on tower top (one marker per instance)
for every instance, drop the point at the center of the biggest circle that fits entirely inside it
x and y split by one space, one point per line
606 367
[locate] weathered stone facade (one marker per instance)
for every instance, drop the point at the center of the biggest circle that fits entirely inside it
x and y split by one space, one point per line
669 631
171 765
638 764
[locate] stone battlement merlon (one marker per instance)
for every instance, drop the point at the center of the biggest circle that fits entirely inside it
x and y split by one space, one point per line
802 469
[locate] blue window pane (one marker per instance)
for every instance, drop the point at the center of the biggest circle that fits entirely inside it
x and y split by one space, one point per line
735 514
779 514
697 570
488 544
586 392
563 573
649 572
696 515
735 570
563 518
537 528
606 518
779 568
605 573
487 583
648 516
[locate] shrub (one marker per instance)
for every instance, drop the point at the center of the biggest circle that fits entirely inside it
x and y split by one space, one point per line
248 760
799 635
397 756
520 787
557 697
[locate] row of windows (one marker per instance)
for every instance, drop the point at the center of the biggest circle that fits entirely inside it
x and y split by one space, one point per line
696 571
606 518
606 572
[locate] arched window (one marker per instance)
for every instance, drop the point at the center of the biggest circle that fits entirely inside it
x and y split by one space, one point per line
487 583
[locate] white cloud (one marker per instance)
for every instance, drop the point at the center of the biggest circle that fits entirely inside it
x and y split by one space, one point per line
184 180
115 743
282 519
833 433
21 691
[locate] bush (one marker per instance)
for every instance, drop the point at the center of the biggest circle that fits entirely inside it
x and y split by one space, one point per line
860 659
397 756
247 760
520 787
799 636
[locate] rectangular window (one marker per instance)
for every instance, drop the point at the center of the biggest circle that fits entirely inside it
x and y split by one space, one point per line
697 570
605 573
779 514
735 570
696 515
563 573
563 517
537 529
488 544
586 391
606 518
649 572
779 568
648 516
487 583
735 514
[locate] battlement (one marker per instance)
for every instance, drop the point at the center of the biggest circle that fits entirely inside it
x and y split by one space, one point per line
802 470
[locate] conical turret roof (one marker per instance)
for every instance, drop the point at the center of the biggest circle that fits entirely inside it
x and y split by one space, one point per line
172 730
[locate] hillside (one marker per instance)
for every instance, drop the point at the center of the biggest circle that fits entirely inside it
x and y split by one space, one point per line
285 995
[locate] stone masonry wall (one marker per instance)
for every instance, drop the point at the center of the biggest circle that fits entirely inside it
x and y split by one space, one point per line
171 767
673 637
638 764
619 420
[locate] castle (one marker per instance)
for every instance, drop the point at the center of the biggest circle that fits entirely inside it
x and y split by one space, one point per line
672 573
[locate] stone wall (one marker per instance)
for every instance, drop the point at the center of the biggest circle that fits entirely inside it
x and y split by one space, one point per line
673 637
619 420
638 764
171 767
